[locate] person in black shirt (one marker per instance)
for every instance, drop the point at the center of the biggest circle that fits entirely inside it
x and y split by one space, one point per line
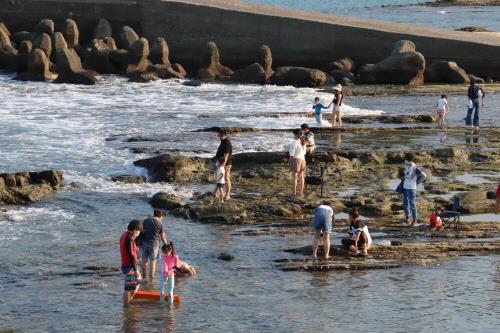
225 151
475 95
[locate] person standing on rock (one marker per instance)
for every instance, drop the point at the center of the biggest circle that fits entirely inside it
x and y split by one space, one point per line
474 93
322 223
338 102
129 261
412 176
297 161
224 154
309 137
152 232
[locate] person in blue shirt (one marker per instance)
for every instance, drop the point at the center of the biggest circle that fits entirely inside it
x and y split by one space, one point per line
317 107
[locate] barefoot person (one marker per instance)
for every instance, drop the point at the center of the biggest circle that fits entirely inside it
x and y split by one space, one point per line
152 233
442 108
225 151
359 236
218 191
129 260
170 262
297 161
338 101
322 223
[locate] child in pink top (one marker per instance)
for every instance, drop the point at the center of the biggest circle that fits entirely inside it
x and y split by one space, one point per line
170 261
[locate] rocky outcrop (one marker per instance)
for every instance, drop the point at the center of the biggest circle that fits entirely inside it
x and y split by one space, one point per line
25 48
167 201
45 26
404 66
59 41
8 54
445 72
127 37
137 57
71 33
26 187
211 68
265 59
473 29
129 179
21 36
37 68
70 69
159 52
99 57
44 43
344 64
175 168
298 77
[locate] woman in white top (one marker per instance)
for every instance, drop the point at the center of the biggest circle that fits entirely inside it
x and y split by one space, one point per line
441 109
297 161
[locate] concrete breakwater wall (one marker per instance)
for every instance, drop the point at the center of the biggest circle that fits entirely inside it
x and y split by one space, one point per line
295 37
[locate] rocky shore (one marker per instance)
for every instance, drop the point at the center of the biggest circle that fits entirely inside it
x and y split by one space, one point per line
57 53
28 187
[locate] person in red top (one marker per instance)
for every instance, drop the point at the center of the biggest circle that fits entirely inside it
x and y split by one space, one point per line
129 261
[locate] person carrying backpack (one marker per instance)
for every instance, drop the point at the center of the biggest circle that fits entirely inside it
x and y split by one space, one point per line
474 93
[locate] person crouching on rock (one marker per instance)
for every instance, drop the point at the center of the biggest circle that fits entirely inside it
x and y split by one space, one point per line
297 161
322 223
359 236
220 180
129 261
309 137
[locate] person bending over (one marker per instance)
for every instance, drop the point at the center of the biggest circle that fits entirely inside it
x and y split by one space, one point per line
322 223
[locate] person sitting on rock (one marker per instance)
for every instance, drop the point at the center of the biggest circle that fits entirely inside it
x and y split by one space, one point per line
220 180
318 107
297 161
322 224
359 236
309 137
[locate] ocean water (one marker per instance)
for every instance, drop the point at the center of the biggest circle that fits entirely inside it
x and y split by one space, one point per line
83 131
400 11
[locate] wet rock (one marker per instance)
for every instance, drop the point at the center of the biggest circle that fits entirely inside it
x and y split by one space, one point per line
225 257
252 74
71 33
473 202
175 168
445 72
211 68
179 69
43 42
45 26
129 179
404 66
143 77
103 29
167 201
37 68
207 211
99 58
26 187
21 36
159 52
70 69
167 72
137 57
298 77
127 37
78 185
473 29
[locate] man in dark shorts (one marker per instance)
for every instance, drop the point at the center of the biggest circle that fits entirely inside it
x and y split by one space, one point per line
152 232
225 150
129 260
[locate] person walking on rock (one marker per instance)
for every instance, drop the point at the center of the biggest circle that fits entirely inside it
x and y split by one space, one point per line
322 223
152 232
412 176
129 261
338 102
224 154
297 161
475 93
309 137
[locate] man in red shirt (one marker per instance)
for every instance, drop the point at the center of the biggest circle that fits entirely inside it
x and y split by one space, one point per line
129 261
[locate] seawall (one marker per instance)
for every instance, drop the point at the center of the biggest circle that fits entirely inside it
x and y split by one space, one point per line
295 37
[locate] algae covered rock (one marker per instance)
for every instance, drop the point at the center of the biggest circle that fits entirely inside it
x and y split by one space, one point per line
167 201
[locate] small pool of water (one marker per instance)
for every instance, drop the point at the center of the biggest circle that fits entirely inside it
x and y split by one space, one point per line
480 218
448 196
345 216
477 179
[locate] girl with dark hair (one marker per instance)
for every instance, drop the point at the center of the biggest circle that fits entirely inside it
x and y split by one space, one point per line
170 262
359 236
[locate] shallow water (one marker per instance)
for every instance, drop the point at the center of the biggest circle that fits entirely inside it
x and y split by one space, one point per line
400 11
480 218
45 287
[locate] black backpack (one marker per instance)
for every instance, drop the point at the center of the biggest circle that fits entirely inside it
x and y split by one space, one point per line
473 92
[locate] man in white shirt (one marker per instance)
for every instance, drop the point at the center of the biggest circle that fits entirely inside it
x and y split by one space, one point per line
297 161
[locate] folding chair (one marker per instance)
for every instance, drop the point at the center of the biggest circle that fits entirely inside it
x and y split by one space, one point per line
313 182
452 218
